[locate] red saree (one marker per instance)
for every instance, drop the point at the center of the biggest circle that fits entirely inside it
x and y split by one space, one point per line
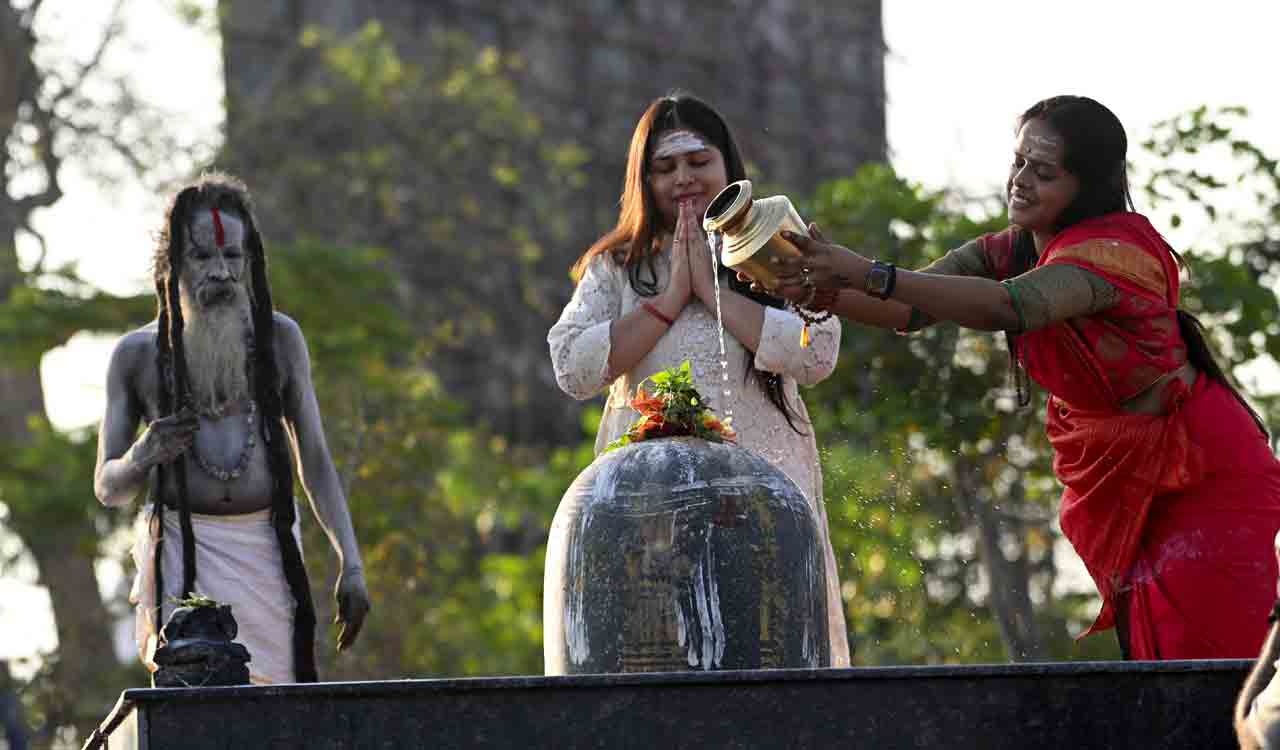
1174 515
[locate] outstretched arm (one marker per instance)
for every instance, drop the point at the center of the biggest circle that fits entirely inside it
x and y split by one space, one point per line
1039 297
851 303
971 301
320 478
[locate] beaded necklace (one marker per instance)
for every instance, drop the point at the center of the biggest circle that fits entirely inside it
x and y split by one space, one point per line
250 420
251 440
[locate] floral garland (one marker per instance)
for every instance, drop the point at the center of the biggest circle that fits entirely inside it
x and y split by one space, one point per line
674 408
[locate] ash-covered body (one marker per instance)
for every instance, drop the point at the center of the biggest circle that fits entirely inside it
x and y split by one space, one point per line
678 554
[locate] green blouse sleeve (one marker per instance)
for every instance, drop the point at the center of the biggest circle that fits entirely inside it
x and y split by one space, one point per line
1056 292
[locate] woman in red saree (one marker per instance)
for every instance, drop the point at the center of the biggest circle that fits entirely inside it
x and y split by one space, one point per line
1172 494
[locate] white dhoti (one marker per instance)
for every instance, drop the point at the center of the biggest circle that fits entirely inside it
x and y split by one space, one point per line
1263 719
237 563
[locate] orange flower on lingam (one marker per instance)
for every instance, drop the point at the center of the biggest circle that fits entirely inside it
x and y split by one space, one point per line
673 408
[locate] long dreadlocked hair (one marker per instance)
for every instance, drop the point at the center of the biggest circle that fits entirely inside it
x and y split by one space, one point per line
229 194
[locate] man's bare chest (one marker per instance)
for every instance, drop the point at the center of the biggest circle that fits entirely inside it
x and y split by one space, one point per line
227 467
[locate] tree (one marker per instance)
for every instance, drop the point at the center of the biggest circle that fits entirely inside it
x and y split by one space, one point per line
400 201
928 467
1207 166
451 517
439 161
53 110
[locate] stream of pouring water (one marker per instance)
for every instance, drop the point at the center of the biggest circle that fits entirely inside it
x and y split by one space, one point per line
713 243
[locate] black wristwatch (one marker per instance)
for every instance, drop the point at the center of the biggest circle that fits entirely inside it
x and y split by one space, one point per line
881 279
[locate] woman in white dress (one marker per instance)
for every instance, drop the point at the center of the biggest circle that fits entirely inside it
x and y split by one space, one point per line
645 302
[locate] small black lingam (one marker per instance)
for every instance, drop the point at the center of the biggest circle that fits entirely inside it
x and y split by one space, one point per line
196 648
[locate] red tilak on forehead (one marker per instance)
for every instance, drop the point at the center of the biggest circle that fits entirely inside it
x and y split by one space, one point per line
219 236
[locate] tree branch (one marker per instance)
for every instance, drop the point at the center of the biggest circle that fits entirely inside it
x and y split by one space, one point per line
127 152
29 13
44 122
91 65
38 268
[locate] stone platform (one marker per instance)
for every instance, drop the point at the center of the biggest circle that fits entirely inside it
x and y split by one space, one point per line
1039 706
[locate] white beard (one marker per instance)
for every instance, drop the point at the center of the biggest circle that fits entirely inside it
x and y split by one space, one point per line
217 351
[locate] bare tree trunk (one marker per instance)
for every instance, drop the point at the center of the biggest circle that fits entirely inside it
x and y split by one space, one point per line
20 386
1010 594
65 557
86 654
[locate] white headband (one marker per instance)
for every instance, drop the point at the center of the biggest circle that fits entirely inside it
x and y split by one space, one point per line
678 142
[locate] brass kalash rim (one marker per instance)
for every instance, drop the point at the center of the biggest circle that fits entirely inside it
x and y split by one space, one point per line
729 208
746 223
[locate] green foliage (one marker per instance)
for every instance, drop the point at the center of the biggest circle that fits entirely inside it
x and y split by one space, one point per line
1236 185
46 487
46 493
195 601
1181 144
675 408
425 149
426 152
424 191
44 314
917 436
451 518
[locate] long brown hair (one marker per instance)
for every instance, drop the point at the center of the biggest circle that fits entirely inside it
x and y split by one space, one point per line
636 240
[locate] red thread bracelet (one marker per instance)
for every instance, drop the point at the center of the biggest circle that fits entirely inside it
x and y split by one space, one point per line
655 312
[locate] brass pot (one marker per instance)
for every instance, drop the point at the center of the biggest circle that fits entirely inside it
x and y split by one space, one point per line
751 230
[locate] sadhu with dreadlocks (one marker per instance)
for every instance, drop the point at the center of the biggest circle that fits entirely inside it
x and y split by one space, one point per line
223 384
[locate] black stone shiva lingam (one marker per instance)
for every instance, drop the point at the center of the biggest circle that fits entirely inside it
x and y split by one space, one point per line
196 648
681 554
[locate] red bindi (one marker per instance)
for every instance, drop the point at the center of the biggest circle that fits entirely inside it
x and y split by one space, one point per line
219 236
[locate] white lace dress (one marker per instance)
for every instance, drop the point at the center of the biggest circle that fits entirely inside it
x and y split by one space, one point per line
580 344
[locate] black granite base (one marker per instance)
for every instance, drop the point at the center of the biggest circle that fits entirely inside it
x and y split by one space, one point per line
1040 706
